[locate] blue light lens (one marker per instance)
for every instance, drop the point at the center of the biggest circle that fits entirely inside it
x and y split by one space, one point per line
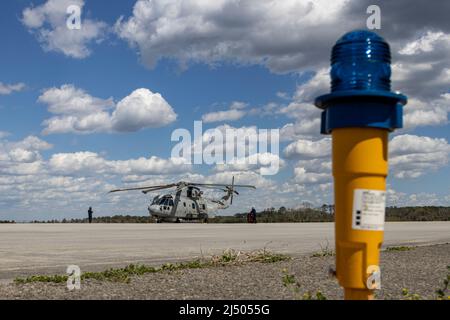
361 60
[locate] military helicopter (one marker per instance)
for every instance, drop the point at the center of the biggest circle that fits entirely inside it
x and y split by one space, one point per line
186 202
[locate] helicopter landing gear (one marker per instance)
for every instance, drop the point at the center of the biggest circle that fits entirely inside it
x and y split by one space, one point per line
178 220
205 220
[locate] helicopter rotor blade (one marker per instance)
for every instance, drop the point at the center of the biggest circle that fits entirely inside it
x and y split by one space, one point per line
215 188
156 189
221 185
167 186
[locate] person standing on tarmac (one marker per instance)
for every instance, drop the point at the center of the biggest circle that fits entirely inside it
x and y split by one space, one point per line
90 212
253 215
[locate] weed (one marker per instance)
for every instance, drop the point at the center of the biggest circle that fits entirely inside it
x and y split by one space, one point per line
402 248
228 257
410 296
324 251
38 278
442 293
265 256
318 296
289 281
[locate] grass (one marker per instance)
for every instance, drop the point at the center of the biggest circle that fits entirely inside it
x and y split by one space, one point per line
324 251
442 293
410 296
264 256
318 296
289 281
402 248
228 257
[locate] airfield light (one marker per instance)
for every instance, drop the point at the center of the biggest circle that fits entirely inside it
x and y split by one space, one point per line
359 113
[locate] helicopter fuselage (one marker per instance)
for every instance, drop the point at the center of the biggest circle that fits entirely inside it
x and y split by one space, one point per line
185 205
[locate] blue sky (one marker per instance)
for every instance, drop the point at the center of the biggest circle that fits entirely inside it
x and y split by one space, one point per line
191 59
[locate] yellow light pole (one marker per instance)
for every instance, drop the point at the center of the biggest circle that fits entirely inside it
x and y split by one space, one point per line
359 113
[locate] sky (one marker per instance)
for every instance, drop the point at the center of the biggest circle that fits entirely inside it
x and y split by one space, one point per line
84 111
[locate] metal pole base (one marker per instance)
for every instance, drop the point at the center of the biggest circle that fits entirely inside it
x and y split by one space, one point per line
358 294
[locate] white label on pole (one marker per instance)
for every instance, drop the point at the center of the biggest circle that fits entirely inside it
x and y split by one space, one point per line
369 207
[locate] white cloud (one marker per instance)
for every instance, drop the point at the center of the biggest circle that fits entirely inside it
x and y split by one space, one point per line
4 134
78 112
308 148
272 33
290 36
283 95
400 199
142 109
413 156
307 116
319 84
238 105
278 36
419 113
79 162
152 165
91 163
312 179
234 113
241 177
69 100
301 176
6 89
209 138
229 115
22 157
48 23
32 143
425 43
300 129
24 150
239 153
423 59
254 162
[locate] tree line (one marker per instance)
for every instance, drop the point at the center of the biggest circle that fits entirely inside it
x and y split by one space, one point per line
324 213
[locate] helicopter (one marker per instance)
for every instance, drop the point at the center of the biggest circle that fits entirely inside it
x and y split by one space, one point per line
186 202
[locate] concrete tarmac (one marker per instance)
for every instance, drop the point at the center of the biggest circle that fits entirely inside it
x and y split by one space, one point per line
27 249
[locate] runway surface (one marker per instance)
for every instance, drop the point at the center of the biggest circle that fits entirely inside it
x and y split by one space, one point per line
27 249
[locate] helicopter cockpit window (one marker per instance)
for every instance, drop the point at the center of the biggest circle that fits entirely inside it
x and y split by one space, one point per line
171 202
193 206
